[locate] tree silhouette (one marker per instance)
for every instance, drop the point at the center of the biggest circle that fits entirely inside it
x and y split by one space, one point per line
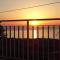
1 31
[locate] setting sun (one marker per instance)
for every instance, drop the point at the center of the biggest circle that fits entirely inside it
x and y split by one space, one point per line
35 23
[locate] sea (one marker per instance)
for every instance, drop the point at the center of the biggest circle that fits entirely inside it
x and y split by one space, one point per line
11 33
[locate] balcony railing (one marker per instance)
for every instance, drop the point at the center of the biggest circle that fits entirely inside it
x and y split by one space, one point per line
29 41
13 31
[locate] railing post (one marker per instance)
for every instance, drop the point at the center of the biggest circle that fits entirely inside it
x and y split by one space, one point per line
27 40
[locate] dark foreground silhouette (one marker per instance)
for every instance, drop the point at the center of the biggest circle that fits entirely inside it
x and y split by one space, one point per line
31 49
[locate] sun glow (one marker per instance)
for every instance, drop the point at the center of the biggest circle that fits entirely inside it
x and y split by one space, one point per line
33 14
35 23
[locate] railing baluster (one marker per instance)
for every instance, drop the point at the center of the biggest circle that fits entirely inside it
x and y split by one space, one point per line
48 43
18 42
42 31
18 32
59 32
6 41
53 32
6 32
27 40
22 32
59 42
14 41
33 42
23 41
48 32
10 41
2 46
37 31
54 42
32 32
43 42
27 29
38 40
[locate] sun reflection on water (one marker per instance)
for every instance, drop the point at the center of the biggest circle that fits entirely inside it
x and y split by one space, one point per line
35 34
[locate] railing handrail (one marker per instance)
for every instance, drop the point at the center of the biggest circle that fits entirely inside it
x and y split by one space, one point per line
44 19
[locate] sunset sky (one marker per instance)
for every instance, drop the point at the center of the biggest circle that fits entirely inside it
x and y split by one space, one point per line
48 11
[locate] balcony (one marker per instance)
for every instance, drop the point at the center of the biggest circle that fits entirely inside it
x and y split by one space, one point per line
29 42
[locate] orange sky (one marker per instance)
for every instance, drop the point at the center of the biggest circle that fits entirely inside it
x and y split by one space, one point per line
51 11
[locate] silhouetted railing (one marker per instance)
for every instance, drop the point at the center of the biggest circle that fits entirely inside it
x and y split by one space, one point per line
19 41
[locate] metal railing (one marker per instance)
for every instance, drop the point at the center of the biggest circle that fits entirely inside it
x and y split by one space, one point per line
18 42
